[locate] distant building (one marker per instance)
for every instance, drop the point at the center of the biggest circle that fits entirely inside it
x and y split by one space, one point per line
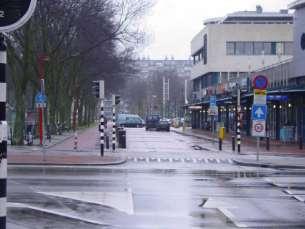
146 66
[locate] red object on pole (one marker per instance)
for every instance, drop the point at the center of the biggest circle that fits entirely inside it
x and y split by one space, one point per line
41 60
40 125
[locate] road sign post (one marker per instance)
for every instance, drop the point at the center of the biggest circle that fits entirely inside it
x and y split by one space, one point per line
259 109
13 14
213 111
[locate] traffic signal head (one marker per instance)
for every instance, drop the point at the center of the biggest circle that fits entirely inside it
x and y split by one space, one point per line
117 99
98 89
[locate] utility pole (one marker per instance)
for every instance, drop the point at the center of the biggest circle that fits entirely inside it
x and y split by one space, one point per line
20 14
238 116
165 95
3 134
41 69
185 104
113 123
98 88
102 128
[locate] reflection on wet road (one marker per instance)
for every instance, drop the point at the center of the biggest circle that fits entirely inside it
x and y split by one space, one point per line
165 184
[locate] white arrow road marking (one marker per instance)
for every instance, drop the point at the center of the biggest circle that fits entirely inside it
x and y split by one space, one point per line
122 201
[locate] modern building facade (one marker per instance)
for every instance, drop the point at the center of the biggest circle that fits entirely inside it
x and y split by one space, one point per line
228 48
228 52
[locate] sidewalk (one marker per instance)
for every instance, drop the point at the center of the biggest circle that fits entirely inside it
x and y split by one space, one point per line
60 152
279 156
248 145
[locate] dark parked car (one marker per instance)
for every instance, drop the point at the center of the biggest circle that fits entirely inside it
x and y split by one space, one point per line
130 120
163 125
152 121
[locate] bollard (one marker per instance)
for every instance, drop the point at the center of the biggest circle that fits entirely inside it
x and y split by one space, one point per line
75 141
233 143
220 144
107 141
268 143
221 136
300 143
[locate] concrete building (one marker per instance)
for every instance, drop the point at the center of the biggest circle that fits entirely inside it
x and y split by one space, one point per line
299 38
145 66
286 90
228 48
227 52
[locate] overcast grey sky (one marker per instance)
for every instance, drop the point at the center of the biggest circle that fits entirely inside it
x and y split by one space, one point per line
172 24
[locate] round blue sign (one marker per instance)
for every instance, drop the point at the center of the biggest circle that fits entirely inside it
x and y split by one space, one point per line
260 82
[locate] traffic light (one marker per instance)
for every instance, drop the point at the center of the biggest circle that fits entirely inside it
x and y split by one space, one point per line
98 89
116 99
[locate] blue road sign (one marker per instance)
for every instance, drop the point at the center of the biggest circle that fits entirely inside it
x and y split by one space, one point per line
40 98
259 112
213 101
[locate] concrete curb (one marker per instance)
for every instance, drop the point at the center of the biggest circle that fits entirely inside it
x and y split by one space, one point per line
266 164
117 162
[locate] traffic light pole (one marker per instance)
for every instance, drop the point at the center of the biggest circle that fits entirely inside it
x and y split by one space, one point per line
238 123
113 127
102 128
3 134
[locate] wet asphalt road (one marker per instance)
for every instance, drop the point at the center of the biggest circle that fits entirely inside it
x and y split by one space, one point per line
170 181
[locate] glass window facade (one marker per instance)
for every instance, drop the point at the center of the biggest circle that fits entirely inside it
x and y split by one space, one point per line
249 48
230 48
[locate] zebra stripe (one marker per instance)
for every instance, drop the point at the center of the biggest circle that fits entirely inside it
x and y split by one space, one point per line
102 127
238 130
3 133
113 128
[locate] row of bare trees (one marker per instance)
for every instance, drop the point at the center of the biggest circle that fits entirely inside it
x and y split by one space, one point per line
145 95
84 40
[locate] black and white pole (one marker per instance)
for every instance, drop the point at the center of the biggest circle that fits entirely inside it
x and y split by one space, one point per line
113 127
102 128
3 134
238 121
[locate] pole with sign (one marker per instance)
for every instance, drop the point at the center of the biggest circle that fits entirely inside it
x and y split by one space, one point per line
259 109
213 111
13 15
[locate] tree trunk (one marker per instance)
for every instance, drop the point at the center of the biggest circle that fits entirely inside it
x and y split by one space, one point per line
19 126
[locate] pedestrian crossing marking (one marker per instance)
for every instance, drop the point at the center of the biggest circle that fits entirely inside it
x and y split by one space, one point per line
180 160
